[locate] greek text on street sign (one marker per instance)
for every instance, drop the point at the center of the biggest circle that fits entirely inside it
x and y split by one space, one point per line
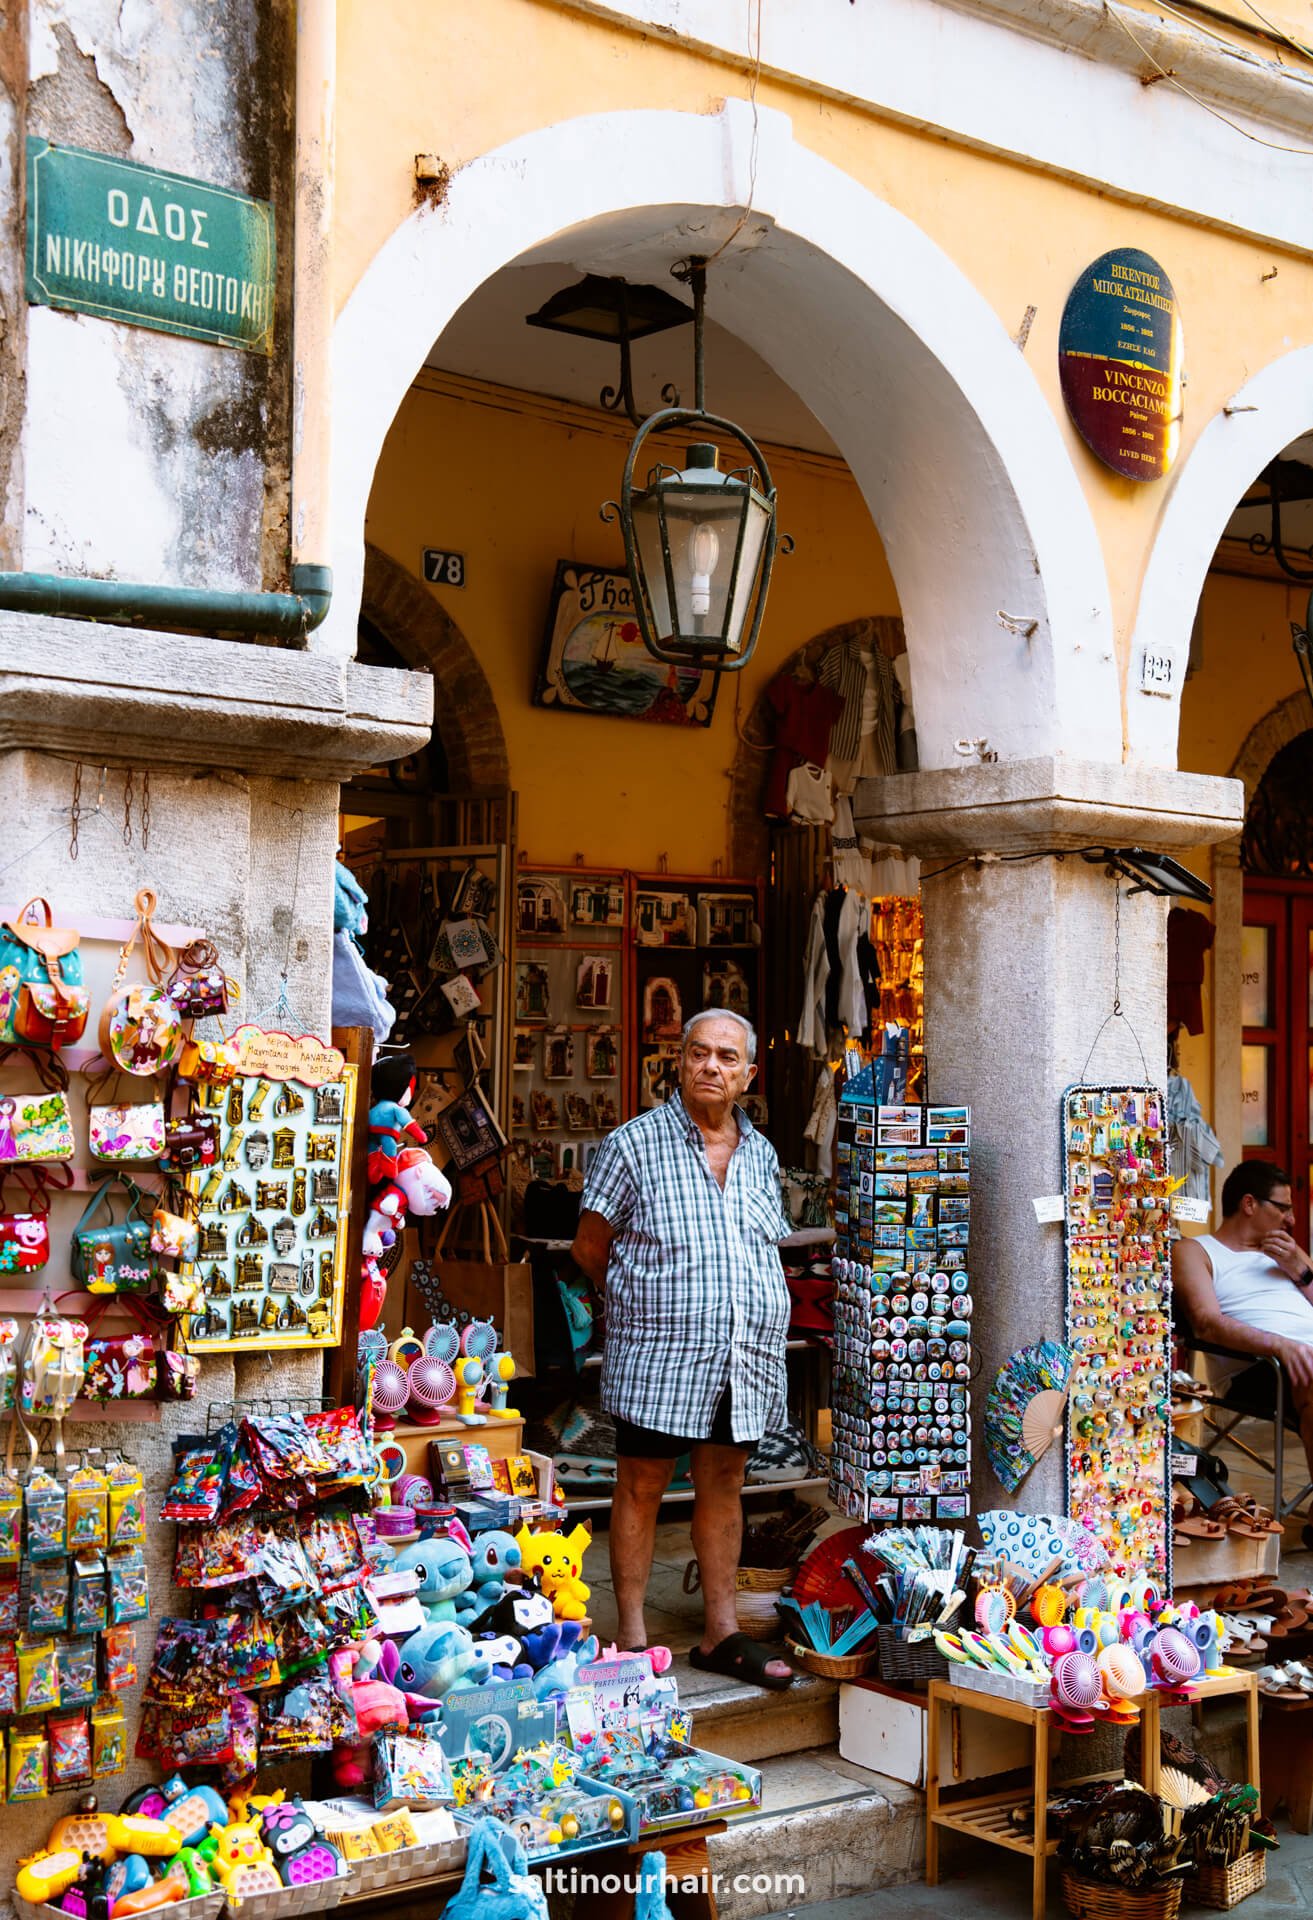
125 242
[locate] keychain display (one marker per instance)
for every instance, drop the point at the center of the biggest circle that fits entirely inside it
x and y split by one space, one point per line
1118 1212
74 1553
271 1266
902 1309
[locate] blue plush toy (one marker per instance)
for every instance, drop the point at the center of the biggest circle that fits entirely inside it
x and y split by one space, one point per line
350 903
431 1661
495 1555
572 1653
444 1570
496 1658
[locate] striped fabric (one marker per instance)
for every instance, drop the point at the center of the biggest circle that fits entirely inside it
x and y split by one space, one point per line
695 1293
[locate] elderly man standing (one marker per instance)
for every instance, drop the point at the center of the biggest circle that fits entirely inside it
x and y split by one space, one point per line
681 1226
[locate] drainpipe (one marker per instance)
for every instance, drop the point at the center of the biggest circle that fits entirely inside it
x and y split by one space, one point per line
287 616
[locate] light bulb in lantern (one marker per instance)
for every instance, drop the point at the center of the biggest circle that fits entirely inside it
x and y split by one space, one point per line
703 554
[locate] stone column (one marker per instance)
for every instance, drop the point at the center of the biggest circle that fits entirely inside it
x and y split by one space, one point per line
1021 967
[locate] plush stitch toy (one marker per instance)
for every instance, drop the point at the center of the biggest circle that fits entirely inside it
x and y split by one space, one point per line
431 1661
555 1560
494 1555
558 1675
445 1576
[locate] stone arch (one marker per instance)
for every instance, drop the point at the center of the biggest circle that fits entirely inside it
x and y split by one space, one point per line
426 636
749 830
1264 741
1253 427
948 434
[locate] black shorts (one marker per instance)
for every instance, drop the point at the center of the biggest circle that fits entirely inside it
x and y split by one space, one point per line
646 1443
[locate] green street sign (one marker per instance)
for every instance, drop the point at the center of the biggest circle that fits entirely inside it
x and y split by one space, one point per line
126 242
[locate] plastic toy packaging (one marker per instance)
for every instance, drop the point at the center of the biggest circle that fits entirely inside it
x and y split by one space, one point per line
47 1599
410 1772
197 1487
127 1506
8 1678
109 1739
88 1601
75 1661
11 1522
129 1594
47 1517
301 1722
119 1645
28 1759
38 1679
88 1518
70 1750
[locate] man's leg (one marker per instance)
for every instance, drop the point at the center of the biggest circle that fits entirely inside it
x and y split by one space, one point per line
639 1486
1302 1397
717 1537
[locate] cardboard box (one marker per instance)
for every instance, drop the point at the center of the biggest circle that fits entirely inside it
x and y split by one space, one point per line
1212 1563
885 1730
496 1290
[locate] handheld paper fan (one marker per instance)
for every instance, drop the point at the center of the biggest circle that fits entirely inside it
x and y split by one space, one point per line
1023 1415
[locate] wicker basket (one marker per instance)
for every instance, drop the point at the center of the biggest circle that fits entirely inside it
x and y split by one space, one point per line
832 1666
756 1591
1103 1900
407 1865
1224 1887
910 1664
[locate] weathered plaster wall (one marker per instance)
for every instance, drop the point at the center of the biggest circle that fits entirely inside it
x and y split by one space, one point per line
13 331
252 862
150 457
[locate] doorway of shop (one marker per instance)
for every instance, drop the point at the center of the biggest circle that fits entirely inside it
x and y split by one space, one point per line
1276 971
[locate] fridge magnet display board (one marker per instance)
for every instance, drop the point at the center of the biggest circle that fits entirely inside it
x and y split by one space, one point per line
1118 1214
272 1213
903 1304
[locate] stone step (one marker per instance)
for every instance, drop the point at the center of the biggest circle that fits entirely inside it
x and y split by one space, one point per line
756 1723
826 1829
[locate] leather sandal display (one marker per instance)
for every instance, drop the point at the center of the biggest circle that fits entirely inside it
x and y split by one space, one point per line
1189 1520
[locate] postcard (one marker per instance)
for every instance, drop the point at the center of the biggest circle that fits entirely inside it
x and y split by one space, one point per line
898 1134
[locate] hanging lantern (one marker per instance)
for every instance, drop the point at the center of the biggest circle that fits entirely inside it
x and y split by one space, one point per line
699 542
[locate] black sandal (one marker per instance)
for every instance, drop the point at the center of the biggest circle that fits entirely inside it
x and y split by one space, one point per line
741 1658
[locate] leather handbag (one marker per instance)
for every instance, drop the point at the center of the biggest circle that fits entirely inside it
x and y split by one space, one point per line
126 1133
24 1242
114 1257
42 998
140 1028
141 1365
207 1062
190 1141
172 1236
199 986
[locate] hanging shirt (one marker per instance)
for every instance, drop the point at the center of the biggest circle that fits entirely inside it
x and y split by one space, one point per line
804 716
695 1293
862 741
1189 936
1194 1146
815 979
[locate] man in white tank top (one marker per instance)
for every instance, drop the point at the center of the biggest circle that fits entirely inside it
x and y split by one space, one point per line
1250 1284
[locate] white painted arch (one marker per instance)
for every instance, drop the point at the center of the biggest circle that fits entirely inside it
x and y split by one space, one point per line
1268 412
904 363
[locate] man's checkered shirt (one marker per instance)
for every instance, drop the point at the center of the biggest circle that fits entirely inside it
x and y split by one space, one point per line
695 1293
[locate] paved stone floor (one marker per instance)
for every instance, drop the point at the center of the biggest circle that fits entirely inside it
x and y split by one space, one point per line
994 1885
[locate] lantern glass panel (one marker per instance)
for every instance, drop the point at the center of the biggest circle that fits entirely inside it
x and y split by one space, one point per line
700 524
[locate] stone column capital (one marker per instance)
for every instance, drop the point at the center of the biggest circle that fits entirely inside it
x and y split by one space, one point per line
1027 806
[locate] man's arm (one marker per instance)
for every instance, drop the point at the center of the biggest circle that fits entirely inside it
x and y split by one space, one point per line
592 1247
1192 1279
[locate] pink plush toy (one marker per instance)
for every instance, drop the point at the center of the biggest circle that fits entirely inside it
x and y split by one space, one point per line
379 1708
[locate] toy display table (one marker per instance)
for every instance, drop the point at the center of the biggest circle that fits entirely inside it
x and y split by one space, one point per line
986 1817
502 1438
687 1861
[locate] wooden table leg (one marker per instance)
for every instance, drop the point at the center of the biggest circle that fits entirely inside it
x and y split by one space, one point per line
1151 1741
1251 1732
1039 1888
932 1787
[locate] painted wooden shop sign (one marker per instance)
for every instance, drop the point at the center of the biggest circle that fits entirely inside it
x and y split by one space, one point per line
1119 357
126 242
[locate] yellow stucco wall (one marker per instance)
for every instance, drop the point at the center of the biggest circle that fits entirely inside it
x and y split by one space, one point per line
516 486
442 70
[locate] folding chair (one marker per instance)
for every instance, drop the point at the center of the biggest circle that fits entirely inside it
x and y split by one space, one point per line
1258 1392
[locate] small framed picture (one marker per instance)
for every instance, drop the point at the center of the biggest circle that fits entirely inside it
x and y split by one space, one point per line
895 1133
954 1134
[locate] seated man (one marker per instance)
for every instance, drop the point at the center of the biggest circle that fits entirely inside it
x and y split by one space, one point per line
1250 1285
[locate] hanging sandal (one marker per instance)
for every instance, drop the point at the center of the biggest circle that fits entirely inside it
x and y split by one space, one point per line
741 1658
